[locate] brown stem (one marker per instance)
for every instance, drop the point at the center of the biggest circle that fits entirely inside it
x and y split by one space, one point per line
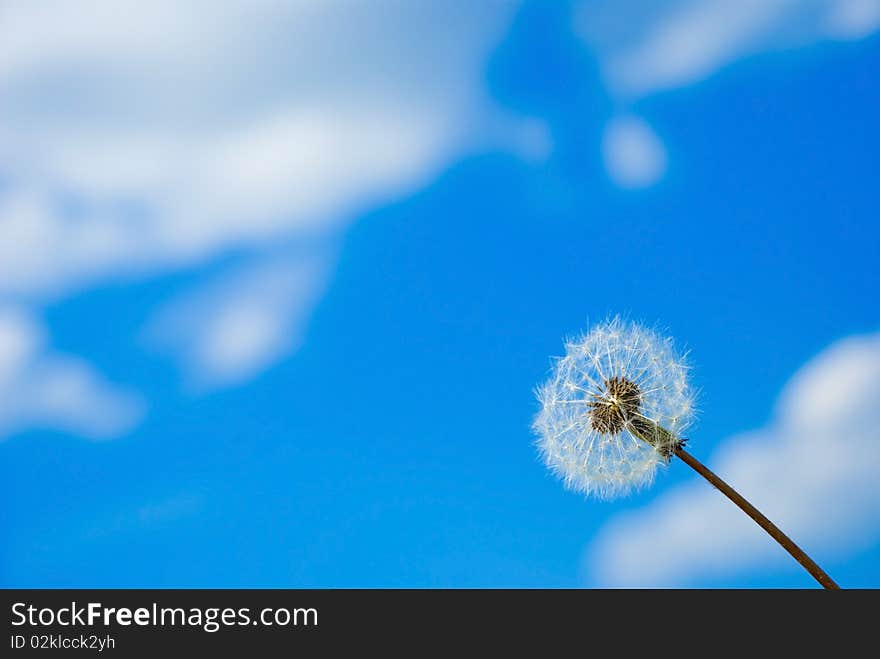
774 531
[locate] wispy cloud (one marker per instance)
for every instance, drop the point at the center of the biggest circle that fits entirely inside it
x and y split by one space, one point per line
223 124
645 47
813 470
226 332
634 156
45 389
143 137
852 19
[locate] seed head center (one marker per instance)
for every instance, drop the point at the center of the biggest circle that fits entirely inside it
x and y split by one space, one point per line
615 405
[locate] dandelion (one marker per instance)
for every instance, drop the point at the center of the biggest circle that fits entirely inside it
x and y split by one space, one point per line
615 409
605 405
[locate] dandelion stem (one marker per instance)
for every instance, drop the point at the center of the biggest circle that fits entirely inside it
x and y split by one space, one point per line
787 543
651 432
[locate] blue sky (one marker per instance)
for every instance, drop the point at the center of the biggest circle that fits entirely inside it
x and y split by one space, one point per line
282 328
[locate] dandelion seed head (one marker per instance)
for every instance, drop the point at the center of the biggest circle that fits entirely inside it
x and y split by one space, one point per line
613 408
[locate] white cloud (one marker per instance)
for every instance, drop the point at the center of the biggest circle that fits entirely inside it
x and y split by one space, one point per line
688 43
634 156
853 19
646 47
223 123
142 137
227 332
813 471
55 391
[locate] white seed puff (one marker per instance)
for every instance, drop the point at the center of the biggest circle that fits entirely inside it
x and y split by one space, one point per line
613 409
